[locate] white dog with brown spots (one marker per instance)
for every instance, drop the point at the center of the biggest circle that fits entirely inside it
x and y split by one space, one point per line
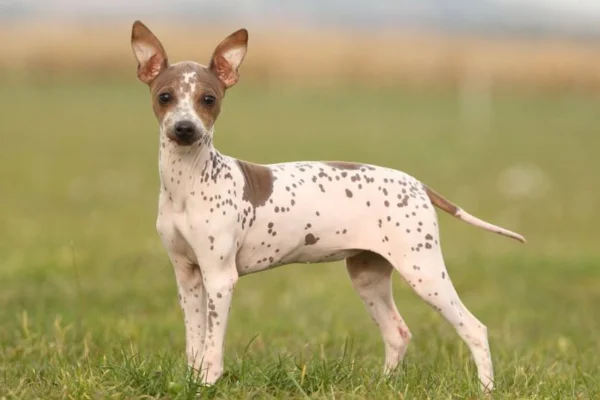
220 218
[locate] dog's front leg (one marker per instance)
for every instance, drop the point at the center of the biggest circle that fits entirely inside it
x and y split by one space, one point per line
192 299
219 283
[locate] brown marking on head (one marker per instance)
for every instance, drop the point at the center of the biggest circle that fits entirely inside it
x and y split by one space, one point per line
258 183
439 201
343 165
195 94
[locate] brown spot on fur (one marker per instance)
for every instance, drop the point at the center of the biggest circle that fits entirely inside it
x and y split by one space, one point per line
343 164
211 316
310 239
258 185
439 201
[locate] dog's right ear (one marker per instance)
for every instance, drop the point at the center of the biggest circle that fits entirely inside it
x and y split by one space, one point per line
228 56
150 55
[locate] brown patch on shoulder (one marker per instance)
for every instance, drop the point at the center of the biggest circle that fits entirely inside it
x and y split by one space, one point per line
258 183
439 201
343 164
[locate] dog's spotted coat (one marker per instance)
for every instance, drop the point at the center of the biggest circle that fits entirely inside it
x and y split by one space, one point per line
221 218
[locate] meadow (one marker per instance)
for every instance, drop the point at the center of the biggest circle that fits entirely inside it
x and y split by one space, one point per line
88 305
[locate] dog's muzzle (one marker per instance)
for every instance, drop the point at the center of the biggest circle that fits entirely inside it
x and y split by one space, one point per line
185 133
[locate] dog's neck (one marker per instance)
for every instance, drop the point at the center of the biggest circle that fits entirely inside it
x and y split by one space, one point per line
186 169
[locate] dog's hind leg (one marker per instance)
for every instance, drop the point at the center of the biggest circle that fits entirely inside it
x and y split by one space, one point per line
371 278
423 268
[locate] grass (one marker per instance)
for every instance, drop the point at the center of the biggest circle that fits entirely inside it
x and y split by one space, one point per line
88 300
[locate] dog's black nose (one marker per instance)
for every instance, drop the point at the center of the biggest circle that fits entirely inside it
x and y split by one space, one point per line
184 129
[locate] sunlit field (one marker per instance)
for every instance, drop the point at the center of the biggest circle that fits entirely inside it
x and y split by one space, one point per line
88 298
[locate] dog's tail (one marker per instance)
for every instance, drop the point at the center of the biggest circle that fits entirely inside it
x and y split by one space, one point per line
439 201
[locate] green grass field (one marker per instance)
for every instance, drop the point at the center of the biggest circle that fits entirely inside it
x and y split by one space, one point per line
88 305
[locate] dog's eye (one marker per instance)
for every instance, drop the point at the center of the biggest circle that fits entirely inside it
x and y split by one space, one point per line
164 98
208 100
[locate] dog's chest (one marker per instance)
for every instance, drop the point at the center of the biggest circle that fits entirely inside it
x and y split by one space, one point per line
200 197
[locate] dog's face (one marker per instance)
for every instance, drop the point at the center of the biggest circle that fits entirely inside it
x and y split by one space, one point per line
187 96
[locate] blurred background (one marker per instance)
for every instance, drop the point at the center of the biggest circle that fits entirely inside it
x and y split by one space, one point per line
494 103
491 101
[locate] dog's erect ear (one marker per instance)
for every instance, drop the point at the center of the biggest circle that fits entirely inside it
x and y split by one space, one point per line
228 56
148 51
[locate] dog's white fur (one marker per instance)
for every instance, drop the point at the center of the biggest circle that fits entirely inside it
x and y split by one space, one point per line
221 218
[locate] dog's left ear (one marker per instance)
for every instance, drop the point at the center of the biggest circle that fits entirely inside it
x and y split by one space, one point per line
228 56
149 53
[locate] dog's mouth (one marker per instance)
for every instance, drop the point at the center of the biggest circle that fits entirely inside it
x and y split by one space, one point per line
184 140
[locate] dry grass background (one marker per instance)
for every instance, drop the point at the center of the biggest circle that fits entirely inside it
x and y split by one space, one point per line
314 57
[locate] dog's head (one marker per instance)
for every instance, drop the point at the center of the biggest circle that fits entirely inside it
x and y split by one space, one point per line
187 96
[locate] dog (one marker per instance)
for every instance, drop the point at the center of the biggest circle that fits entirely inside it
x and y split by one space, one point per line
220 218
